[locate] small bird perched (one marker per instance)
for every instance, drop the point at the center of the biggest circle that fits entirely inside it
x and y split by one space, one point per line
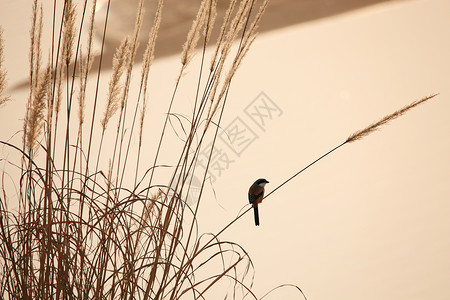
255 196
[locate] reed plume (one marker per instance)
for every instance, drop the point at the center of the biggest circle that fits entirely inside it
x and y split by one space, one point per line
132 48
84 70
149 56
119 61
33 43
86 65
69 31
210 20
34 62
3 73
37 45
223 30
35 122
238 23
360 134
59 89
194 34
149 53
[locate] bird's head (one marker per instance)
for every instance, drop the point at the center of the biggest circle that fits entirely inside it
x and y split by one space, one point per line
261 182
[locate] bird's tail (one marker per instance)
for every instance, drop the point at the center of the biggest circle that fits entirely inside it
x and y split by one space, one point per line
255 210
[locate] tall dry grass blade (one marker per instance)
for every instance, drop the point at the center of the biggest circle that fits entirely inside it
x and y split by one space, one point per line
86 65
59 89
32 55
132 49
68 31
49 132
240 21
124 97
82 88
186 56
211 19
35 122
32 58
3 73
375 126
220 39
236 63
149 53
37 45
194 34
120 134
119 61
255 23
223 48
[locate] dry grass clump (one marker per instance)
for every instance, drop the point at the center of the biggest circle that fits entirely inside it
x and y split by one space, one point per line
79 231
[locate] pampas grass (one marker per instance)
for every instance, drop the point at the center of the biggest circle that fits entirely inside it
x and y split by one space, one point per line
68 31
360 134
82 231
35 123
120 60
3 72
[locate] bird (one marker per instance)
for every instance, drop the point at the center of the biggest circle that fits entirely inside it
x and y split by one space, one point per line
256 195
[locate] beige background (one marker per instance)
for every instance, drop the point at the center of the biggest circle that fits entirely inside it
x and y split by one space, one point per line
371 221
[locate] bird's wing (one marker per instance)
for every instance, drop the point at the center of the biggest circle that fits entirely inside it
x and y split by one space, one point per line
252 197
